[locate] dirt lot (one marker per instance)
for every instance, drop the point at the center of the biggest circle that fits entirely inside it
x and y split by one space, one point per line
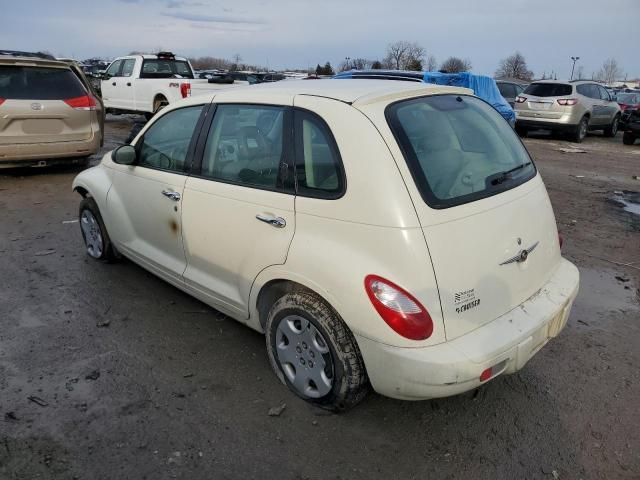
107 372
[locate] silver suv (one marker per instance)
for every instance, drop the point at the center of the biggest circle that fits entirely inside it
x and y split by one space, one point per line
571 107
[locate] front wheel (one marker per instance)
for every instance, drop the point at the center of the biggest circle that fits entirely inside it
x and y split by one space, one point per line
313 352
94 233
612 129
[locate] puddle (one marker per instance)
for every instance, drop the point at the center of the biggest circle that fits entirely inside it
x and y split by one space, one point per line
628 200
601 294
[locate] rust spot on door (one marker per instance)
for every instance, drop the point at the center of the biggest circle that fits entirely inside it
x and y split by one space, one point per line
173 225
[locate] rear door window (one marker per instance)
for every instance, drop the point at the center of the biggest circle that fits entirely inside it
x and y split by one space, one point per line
39 83
458 148
549 89
127 67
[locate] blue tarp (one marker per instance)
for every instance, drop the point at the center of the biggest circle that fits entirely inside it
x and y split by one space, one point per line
484 87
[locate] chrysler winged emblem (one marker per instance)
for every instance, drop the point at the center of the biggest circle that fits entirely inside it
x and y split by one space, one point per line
521 256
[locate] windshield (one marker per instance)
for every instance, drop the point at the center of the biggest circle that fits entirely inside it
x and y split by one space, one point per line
549 89
458 148
165 68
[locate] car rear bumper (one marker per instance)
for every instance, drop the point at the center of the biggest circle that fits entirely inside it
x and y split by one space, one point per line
453 367
21 155
564 122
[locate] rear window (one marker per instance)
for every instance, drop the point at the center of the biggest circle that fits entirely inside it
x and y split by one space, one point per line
458 148
163 68
549 89
39 83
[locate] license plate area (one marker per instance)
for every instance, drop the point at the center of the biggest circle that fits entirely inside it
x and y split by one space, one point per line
540 105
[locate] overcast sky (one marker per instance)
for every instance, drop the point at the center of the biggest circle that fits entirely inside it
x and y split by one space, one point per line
302 33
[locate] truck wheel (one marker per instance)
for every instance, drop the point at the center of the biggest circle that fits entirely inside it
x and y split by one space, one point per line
580 131
628 138
314 353
612 129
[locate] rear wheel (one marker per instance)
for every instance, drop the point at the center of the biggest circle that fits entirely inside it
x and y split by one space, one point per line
313 352
96 239
628 138
612 129
580 131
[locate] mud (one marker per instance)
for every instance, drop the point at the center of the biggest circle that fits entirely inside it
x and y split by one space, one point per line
140 381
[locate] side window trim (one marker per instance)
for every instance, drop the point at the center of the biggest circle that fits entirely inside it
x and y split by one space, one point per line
285 185
189 157
298 155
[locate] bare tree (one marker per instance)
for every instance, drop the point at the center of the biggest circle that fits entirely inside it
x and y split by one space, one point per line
455 65
514 66
431 63
579 75
356 64
401 55
610 72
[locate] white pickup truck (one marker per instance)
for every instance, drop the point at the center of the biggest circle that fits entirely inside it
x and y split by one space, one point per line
147 83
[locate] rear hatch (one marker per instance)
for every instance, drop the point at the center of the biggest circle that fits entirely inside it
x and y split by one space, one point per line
42 104
540 100
481 204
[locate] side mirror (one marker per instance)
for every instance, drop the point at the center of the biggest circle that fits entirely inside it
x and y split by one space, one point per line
124 155
106 76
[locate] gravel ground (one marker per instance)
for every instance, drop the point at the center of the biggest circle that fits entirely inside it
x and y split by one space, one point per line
107 372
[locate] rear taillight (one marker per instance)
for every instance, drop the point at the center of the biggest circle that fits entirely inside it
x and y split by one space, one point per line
185 90
1 101
85 102
520 99
398 308
567 101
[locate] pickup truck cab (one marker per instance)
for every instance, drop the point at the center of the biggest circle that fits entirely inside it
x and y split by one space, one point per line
148 83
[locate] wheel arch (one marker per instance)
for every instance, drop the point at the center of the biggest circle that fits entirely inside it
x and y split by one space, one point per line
271 285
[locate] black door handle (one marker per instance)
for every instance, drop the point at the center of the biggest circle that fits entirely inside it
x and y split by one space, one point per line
128 84
114 84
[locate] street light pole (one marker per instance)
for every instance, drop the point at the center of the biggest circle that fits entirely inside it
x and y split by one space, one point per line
347 59
575 59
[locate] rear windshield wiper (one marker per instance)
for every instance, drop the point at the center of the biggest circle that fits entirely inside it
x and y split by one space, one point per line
498 178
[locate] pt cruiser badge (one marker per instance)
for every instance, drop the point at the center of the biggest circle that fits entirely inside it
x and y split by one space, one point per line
522 255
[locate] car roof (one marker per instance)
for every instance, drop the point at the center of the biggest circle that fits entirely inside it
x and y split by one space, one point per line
351 91
25 58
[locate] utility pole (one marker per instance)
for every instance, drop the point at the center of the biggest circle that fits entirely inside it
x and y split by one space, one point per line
575 59
348 60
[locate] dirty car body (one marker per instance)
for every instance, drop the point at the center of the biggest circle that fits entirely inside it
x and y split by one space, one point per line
380 233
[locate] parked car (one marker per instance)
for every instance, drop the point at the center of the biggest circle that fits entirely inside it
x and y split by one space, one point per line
630 125
147 83
390 233
483 86
48 111
510 90
570 107
628 101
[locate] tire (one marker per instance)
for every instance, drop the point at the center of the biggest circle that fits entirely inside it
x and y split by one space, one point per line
329 371
628 138
94 233
579 133
522 131
612 129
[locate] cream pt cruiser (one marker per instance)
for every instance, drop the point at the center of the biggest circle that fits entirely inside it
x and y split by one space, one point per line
379 233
